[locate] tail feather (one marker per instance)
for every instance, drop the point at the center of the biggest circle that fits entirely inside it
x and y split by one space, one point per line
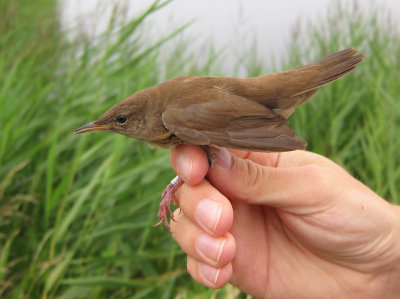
337 57
334 67
283 91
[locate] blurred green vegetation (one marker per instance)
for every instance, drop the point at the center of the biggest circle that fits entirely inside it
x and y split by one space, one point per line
77 212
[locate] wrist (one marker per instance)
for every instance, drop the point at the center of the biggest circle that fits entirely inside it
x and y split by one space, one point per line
393 273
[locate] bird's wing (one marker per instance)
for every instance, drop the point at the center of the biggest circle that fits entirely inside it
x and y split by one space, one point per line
234 122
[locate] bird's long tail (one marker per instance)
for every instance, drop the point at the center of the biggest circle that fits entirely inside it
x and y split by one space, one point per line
334 67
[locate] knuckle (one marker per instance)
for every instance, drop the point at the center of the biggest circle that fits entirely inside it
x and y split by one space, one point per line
321 176
252 175
176 224
190 266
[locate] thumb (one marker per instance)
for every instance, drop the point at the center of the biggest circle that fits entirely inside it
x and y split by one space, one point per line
245 180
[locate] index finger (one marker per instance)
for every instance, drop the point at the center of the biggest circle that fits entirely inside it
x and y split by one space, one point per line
191 163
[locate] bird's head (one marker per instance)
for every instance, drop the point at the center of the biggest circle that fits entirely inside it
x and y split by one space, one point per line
126 117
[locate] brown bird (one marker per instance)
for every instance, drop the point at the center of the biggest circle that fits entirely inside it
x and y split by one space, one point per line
249 114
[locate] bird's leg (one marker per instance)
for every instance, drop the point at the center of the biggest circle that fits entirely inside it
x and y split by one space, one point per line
166 197
213 153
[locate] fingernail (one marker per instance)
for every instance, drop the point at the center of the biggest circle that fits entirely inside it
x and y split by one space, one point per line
184 166
208 213
219 156
209 273
210 248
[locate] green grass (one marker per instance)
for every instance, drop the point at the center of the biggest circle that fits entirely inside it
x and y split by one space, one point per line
76 212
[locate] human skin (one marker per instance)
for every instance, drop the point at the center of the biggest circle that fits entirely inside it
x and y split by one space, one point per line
284 225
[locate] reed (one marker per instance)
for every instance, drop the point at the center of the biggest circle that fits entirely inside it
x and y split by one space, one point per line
76 212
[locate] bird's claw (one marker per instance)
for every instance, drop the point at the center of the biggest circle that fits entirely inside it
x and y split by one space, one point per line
166 198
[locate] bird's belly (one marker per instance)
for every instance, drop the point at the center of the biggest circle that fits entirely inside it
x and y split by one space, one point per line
153 145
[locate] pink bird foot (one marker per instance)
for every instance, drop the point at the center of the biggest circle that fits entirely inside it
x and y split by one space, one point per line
166 197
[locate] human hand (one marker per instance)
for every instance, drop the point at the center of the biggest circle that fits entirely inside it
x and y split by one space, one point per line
284 225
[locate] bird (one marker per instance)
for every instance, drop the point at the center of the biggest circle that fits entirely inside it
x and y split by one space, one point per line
243 113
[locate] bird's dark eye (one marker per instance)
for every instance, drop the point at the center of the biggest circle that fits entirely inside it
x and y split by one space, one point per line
121 119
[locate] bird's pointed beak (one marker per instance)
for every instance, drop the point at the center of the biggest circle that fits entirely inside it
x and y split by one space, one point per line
91 127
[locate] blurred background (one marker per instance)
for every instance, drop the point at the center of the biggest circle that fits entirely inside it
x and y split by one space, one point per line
77 212
229 26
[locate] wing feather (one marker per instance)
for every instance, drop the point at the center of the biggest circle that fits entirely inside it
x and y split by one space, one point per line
234 122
